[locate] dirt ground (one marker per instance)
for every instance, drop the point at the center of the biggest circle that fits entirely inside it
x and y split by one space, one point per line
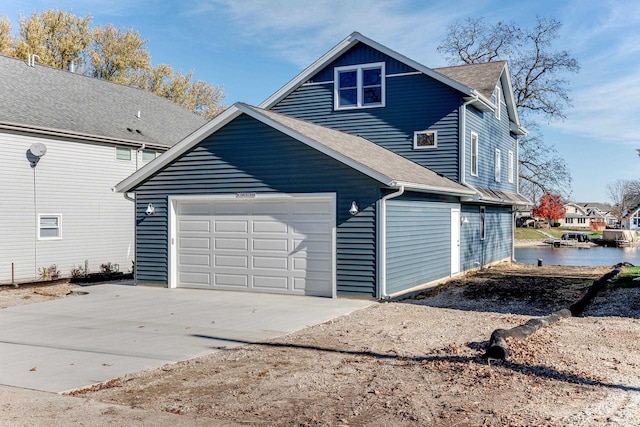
418 362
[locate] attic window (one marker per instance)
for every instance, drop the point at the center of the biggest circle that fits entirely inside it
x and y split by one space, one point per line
425 139
359 86
497 99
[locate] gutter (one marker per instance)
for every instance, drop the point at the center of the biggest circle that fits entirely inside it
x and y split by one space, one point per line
382 240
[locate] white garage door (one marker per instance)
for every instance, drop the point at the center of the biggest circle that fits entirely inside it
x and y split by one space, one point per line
280 245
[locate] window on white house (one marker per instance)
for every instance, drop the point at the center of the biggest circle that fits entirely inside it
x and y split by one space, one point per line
569 220
148 155
49 227
474 154
360 86
497 95
498 168
123 153
582 220
510 167
482 222
425 139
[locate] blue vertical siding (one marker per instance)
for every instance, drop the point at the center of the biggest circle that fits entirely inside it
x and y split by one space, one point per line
248 156
418 242
498 242
413 103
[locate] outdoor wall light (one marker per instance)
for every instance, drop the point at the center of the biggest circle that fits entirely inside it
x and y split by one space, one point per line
354 208
150 209
464 220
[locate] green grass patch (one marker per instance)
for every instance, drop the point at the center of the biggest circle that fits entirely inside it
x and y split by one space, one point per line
528 234
625 278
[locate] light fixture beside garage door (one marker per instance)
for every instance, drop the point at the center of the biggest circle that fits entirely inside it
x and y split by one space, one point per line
354 208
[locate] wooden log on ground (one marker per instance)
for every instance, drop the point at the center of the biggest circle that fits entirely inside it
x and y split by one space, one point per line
498 348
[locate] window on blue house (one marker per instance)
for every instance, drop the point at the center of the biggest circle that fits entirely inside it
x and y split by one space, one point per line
510 167
483 228
360 86
425 139
498 167
474 154
497 97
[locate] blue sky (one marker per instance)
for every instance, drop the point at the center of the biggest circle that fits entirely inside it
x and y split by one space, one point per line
253 47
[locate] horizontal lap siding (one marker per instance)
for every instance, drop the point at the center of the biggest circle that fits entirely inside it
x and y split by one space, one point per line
418 242
248 156
413 103
498 242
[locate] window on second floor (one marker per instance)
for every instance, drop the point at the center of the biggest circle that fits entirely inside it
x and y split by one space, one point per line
359 86
498 167
474 154
511 167
497 98
425 139
148 155
123 153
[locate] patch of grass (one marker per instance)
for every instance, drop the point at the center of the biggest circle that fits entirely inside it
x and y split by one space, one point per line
625 278
528 234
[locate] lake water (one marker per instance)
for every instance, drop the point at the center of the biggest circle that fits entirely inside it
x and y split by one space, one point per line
599 255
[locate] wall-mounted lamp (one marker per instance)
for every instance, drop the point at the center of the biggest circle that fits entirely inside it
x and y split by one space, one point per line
150 209
464 220
354 208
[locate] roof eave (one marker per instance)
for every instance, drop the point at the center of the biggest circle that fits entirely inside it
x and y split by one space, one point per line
423 188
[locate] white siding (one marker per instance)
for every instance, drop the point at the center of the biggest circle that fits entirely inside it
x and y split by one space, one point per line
74 180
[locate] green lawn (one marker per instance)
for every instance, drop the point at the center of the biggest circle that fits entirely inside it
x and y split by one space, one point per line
533 234
625 278
529 234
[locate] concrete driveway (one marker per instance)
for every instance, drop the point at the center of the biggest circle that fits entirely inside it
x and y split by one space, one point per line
114 330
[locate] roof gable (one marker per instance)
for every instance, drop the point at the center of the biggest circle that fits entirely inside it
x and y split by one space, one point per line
388 168
42 99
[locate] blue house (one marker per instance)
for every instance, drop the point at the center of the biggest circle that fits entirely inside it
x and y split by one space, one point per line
366 175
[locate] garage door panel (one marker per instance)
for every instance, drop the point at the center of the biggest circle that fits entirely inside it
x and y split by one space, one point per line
194 209
195 260
235 280
196 226
270 282
198 279
270 245
231 261
228 243
282 245
195 243
231 226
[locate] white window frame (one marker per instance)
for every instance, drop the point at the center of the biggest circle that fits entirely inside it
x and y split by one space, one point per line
58 217
497 165
423 132
359 86
510 167
497 93
155 154
475 162
120 147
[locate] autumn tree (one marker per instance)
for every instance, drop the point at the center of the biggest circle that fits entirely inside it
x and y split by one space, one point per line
56 36
106 52
624 196
539 85
6 41
550 207
117 55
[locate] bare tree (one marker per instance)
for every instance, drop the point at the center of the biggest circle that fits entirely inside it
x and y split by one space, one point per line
624 195
539 86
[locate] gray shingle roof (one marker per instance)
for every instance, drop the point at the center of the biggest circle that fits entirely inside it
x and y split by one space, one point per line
481 77
41 97
364 152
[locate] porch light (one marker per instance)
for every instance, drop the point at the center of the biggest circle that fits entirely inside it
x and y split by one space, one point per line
354 208
150 209
464 220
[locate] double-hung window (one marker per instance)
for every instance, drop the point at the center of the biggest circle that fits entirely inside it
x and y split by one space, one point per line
359 86
49 227
498 168
497 97
474 154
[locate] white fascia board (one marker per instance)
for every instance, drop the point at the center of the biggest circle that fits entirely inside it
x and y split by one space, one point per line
510 97
518 130
342 47
431 189
316 145
177 150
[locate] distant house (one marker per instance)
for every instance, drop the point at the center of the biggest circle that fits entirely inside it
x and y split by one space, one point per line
587 216
631 221
368 174
65 141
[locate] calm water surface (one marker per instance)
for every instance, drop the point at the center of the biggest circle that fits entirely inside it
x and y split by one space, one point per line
578 256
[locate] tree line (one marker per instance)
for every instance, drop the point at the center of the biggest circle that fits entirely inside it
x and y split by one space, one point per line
119 55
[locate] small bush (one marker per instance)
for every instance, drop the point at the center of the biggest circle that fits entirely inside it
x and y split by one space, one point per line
109 268
49 273
79 272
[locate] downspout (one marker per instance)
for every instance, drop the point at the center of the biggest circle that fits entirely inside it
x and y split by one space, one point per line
463 138
135 233
382 289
